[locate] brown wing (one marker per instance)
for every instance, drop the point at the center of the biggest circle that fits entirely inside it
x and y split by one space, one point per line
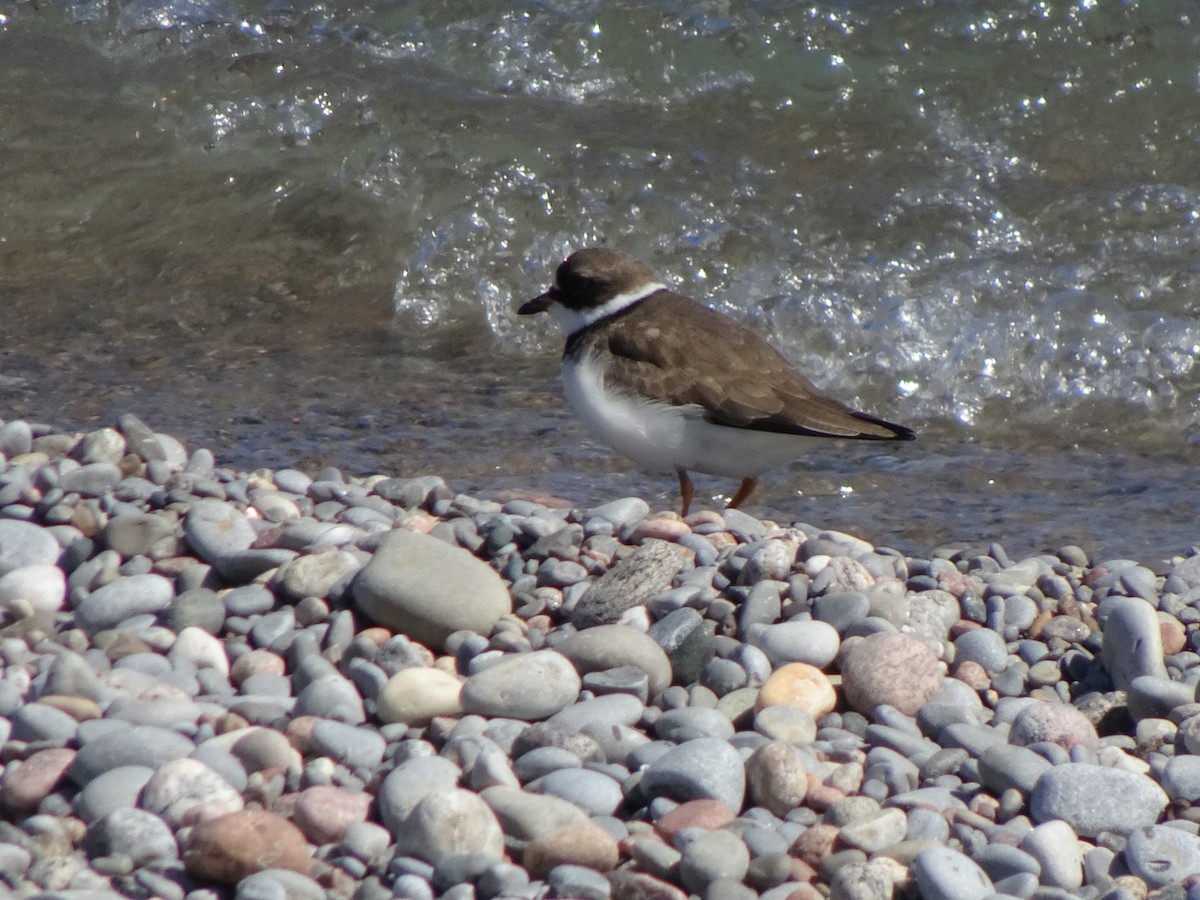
745 382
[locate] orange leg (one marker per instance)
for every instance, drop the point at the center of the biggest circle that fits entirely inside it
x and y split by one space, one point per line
685 490
746 489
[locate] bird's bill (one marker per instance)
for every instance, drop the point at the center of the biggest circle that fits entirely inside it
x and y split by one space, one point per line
538 304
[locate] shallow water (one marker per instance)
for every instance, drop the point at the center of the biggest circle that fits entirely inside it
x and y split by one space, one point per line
296 233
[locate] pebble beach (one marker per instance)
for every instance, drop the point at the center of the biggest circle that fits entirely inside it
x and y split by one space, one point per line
278 684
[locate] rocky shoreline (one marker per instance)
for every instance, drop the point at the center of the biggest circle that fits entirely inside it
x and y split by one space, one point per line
275 685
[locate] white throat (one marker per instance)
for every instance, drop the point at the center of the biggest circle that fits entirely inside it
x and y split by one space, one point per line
573 320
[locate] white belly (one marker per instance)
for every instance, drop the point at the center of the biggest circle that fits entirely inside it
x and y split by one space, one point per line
664 438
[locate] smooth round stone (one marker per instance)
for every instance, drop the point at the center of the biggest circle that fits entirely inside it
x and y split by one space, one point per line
332 697
317 574
527 816
1002 861
1092 799
215 529
278 884
448 824
526 686
42 722
594 792
140 835
324 812
23 544
138 534
613 646
16 439
585 845
1161 855
229 848
199 649
112 604
140 745
712 855
248 600
167 712
542 761
892 668
813 642
200 608
636 580
609 710
679 725
263 748
427 589
578 882
983 647
1181 778
945 874
185 791
776 777
23 787
623 680
42 587
409 783
876 831
1056 723
1132 642
723 676
416 695
800 685
115 789
841 608
91 480
1004 766
704 768
687 640
621 514
347 744
786 723
1151 697
1059 853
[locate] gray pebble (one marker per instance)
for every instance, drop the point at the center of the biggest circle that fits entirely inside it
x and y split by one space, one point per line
687 641
1161 854
411 781
945 874
578 882
215 530
609 710
527 686
332 697
701 768
595 793
679 725
142 836
114 789
813 642
350 745
40 722
982 646
712 855
141 745
1092 799
112 604
23 544
1132 642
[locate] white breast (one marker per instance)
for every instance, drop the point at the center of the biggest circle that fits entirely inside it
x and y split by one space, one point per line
660 437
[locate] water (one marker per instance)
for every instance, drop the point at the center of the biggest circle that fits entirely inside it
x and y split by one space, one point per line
296 233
